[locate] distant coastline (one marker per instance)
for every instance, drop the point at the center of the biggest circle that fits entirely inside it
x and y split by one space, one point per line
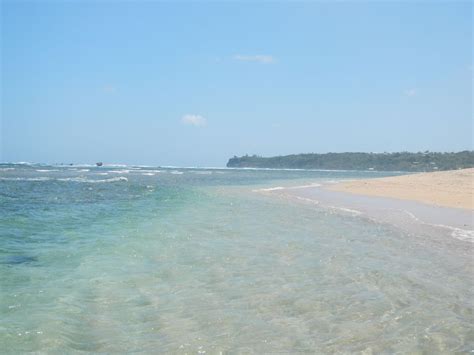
401 161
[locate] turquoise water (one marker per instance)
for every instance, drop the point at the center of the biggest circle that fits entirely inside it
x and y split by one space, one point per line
140 259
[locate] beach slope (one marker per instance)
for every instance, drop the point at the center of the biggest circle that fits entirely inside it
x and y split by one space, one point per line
452 188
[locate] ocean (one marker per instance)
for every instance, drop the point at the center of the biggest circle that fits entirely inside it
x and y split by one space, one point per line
118 259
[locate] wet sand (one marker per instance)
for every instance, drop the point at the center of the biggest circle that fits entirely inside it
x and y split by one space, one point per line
453 188
437 205
410 216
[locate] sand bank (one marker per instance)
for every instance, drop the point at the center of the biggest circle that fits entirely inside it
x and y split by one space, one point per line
434 205
453 188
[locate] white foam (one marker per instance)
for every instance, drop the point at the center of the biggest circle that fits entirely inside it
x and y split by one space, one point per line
41 178
6 169
462 234
23 163
118 178
305 186
149 174
119 171
196 167
116 165
175 172
82 165
347 210
307 200
147 171
270 189
458 233
46 171
80 179
276 188
203 172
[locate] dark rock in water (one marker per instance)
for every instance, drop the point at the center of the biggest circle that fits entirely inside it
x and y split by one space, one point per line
19 259
99 163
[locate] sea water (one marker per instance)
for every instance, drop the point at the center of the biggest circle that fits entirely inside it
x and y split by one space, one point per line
142 259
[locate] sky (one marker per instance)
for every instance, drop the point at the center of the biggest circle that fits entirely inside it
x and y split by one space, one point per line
195 83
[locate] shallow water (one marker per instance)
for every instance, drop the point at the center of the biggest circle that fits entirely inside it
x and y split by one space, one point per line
122 259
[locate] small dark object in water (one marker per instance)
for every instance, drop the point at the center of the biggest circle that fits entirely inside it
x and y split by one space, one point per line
99 163
19 259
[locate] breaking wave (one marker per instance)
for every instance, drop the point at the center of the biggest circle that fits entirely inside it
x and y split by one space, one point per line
74 179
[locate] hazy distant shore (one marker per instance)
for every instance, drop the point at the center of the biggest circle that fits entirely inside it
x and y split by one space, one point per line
401 161
447 188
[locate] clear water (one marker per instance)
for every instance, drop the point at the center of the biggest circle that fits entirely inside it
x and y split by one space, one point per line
120 259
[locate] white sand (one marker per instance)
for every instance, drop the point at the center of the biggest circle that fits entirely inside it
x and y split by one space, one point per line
453 188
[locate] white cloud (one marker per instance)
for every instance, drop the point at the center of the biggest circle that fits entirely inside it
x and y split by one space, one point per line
194 120
411 92
259 58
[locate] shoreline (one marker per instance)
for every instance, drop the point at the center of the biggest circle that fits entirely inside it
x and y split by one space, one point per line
453 188
415 216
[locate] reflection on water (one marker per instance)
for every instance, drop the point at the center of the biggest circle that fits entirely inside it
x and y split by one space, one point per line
184 263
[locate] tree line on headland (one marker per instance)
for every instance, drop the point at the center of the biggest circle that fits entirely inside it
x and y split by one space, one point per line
402 161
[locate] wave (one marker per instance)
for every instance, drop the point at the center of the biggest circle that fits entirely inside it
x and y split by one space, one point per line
146 171
46 170
315 202
335 181
175 172
458 233
41 178
23 163
203 172
461 234
276 188
92 181
196 167
270 189
74 179
304 186
119 171
346 210
80 165
116 165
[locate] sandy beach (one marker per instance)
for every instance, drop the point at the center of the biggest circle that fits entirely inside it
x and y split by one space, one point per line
445 188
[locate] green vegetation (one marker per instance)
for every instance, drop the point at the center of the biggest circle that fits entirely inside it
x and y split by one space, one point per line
404 161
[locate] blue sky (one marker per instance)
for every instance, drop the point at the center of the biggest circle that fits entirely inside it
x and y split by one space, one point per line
195 83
